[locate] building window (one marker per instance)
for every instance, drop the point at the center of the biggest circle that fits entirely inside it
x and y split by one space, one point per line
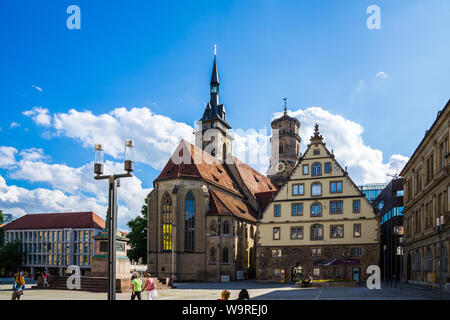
276 233
316 169
189 222
336 272
356 252
225 255
337 231
276 253
316 152
357 230
167 223
316 272
305 169
316 210
336 207
226 228
297 209
356 206
316 189
296 233
276 273
336 187
276 210
316 232
298 189
316 252
327 167
281 148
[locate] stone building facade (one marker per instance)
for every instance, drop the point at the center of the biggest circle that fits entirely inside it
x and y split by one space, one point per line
426 198
203 209
318 224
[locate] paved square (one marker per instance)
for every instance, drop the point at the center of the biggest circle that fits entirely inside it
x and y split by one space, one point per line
257 291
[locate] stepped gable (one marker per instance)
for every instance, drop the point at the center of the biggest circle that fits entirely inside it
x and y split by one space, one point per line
223 204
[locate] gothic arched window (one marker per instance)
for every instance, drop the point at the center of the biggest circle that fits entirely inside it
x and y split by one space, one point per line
189 222
225 255
316 169
316 232
166 223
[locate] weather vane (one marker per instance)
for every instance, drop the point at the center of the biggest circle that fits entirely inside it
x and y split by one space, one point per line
215 49
285 108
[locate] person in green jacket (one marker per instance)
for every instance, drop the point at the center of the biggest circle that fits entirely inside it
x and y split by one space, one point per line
136 286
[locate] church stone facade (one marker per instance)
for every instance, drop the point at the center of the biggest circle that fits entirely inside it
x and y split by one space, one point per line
203 210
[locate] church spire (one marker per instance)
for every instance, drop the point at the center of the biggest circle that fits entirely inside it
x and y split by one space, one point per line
214 84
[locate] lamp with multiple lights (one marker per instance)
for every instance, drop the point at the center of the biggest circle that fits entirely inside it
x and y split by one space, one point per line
112 208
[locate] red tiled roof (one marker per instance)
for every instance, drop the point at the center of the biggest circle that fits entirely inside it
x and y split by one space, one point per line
73 220
255 181
264 198
197 164
223 204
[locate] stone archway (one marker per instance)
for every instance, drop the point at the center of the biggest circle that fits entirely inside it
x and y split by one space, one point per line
297 273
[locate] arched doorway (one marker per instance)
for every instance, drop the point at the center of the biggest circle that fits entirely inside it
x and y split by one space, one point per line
297 273
408 267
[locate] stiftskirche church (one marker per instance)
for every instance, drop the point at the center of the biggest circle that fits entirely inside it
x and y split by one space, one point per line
203 210
211 216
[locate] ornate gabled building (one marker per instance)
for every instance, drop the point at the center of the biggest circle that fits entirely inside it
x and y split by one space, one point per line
203 210
319 224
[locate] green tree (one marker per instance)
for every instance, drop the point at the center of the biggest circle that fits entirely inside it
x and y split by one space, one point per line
2 232
138 236
11 256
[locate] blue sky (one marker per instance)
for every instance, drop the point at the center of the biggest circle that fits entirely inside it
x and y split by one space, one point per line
158 55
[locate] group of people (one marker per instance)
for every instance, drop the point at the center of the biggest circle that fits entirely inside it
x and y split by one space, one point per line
243 295
137 287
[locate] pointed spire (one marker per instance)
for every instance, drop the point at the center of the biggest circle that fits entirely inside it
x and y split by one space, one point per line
285 108
215 73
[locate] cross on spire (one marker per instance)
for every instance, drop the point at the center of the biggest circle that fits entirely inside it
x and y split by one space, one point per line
215 49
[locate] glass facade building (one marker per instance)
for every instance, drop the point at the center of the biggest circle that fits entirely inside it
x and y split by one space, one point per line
372 190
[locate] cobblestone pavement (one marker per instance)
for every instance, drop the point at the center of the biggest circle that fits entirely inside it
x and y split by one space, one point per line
257 291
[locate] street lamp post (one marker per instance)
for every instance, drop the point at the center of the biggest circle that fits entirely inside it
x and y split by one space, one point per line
439 229
112 207
384 263
401 261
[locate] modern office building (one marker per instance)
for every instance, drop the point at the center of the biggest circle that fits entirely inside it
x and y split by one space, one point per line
53 241
318 224
389 205
372 190
426 178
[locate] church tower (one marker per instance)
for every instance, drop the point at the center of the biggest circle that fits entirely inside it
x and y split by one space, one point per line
212 134
285 147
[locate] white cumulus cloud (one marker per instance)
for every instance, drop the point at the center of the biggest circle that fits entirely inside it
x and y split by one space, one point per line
381 75
39 115
7 157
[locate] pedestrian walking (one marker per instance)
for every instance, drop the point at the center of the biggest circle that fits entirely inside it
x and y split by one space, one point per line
150 287
136 286
18 286
46 280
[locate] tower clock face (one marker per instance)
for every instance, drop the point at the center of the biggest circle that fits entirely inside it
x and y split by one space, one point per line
280 167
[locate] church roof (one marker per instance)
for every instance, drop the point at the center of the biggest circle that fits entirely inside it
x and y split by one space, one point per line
188 161
197 164
285 117
224 204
